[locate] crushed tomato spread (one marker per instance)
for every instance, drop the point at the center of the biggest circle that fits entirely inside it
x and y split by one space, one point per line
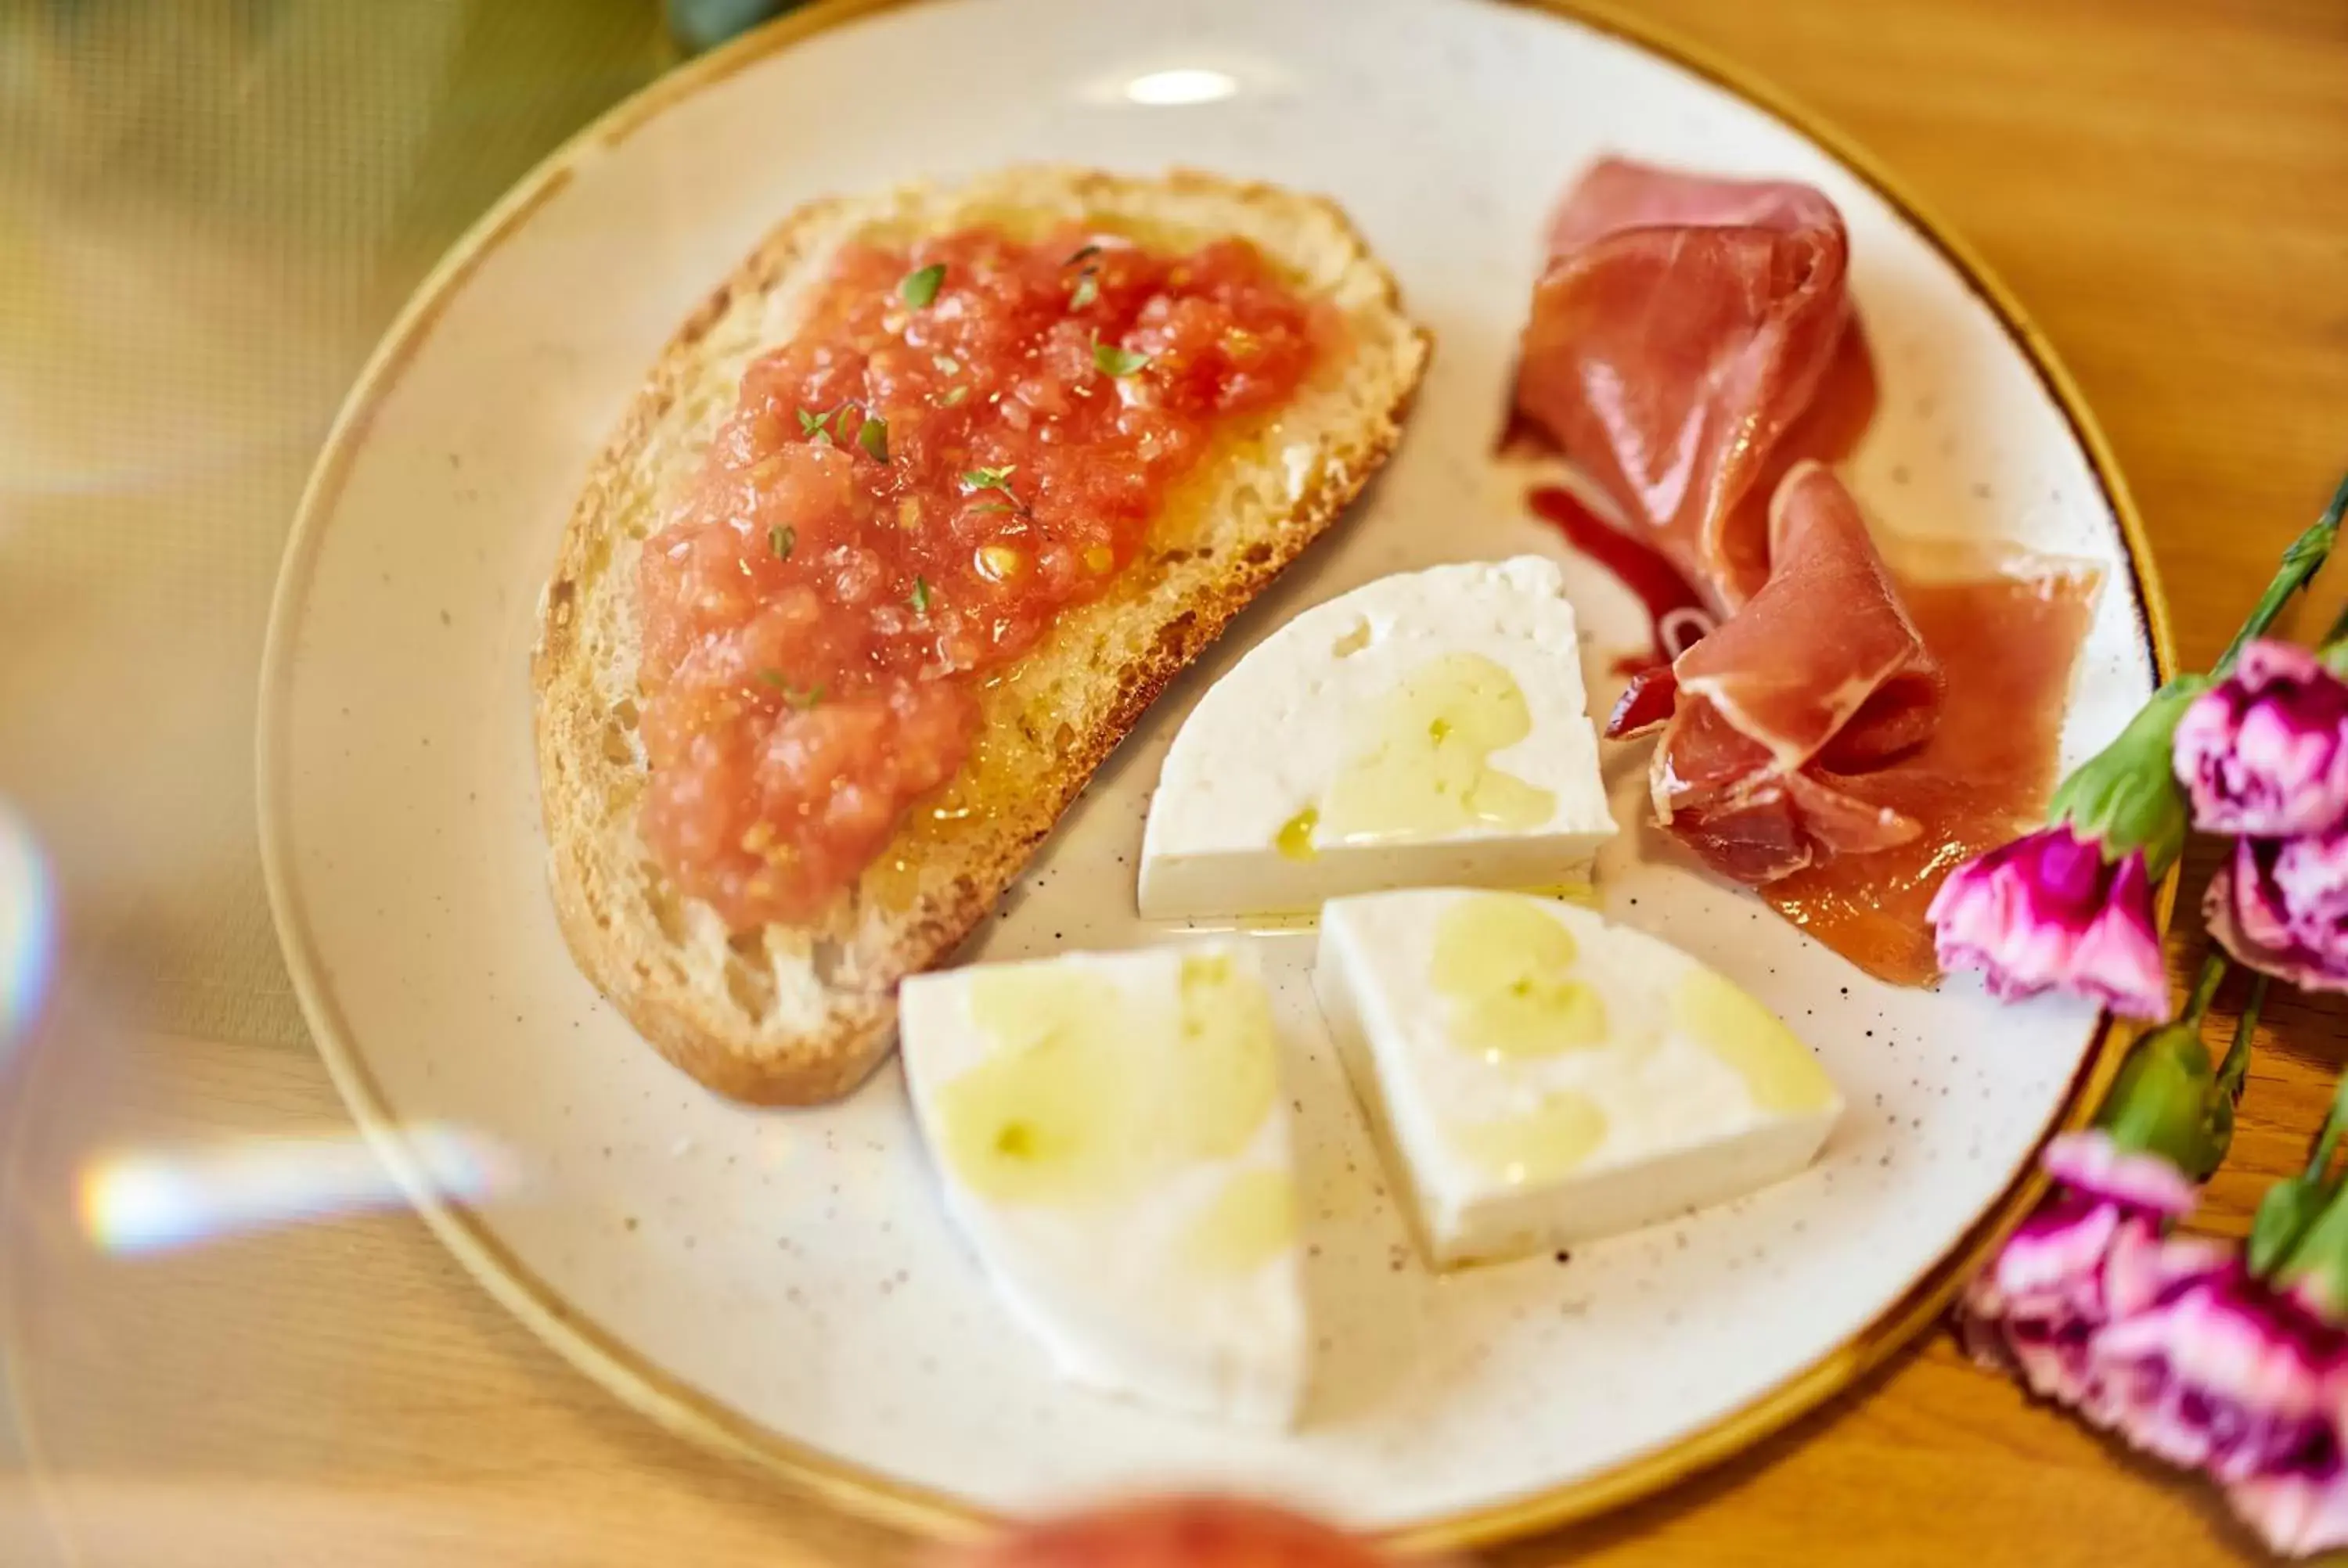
961 442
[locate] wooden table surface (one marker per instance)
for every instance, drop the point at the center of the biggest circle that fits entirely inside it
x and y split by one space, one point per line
2165 185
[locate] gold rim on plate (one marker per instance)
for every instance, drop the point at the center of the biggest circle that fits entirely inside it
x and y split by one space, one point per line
870 1495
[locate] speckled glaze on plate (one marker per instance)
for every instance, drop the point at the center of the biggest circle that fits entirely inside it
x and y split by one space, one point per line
784 1283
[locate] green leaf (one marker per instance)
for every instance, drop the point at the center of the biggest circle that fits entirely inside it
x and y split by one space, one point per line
946 364
920 288
1081 253
780 542
919 596
2285 1214
873 436
817 426
984 506
2316 1268
2126 797
1111 360
2165 1098
956 395
976 479
1086 291
774 678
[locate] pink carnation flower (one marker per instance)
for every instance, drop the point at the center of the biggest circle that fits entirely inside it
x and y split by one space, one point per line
2048 912
2264 753
2282 907
2091 1252
2220 1372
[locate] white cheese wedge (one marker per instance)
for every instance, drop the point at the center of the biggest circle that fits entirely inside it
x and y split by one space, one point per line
1112 1138
1540 1077
1424 728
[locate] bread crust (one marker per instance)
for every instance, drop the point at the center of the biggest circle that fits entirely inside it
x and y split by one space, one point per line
797 1015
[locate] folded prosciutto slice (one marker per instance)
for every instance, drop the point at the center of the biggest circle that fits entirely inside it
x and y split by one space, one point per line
1681 327
1843 736
1820 676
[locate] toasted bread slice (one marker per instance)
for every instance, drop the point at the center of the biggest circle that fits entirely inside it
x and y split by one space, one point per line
792 1015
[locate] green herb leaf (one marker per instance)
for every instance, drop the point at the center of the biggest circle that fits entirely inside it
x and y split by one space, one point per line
984 506
1111 360
792 696
919 598
1081 253
816 426
873 436
779 542
977 479
947 365
920 288
1086 291
956 395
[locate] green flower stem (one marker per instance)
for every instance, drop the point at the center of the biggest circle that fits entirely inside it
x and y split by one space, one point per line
2299 1237
2301 562
2236 1067
2327 1139
2205 988
2288 1215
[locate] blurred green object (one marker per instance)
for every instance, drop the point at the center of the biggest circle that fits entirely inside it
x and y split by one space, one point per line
209 211
701 24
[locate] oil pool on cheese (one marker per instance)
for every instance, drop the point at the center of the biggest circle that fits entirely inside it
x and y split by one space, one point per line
1540 1077
1111 1135
1424 728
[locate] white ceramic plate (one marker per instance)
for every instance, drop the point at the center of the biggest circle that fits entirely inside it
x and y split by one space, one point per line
784 1281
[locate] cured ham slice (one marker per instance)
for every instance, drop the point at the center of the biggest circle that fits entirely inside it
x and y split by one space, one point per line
1851 845
1822 675
1850 685
1681 327
2007 643
1844 736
